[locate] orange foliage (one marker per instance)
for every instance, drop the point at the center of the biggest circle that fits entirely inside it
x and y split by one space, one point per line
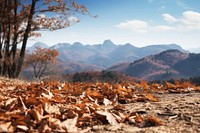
42 55
40 60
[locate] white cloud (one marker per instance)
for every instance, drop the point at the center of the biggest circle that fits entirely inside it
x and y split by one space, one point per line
142 26
134 25
169 18
189 20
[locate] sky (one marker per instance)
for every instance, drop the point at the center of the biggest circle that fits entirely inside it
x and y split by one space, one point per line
139 22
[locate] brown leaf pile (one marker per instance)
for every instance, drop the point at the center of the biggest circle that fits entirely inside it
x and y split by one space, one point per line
69 107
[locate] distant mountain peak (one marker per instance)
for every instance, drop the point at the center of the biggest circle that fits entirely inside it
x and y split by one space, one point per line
37 44
40 44
108 43
129 45
61 46
77 43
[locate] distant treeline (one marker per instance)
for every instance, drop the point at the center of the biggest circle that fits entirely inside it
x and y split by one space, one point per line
96 76
193 80
117 77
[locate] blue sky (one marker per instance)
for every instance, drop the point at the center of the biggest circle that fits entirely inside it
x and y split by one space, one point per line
139 22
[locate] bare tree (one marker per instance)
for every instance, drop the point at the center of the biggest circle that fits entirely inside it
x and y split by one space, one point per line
22 19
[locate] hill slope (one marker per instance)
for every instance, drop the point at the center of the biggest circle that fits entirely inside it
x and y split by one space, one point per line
165 65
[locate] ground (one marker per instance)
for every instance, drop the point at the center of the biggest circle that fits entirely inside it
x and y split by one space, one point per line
99 107
180 113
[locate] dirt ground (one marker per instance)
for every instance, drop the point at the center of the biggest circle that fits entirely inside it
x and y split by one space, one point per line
180 113
98 108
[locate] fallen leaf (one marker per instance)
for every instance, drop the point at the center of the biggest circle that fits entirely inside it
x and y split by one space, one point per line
151 98
70 125
22 127
106 102
10 103
109 116
47 93
37 112
94 93
135 118
44 126
6 127
154 121
49 109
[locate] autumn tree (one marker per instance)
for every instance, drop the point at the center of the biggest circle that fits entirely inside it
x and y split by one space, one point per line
22 19
39 62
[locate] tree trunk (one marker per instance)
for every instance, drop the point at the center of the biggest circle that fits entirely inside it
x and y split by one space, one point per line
7 32
25 38
13 51
1 44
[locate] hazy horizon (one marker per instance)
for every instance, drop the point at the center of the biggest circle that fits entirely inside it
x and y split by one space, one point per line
30 45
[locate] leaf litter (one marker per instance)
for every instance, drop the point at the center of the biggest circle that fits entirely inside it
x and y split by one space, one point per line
97 107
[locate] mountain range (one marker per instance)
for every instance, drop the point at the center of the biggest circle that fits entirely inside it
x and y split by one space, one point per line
107 54
153 62
165 65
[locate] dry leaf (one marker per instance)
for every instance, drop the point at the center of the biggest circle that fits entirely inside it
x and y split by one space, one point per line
107 102
44 127
22 127
135 118
6 127
151 98
94 93
47 94
109 117
49 109
154 121
120 117
37 113
70 125
10 103
54 123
